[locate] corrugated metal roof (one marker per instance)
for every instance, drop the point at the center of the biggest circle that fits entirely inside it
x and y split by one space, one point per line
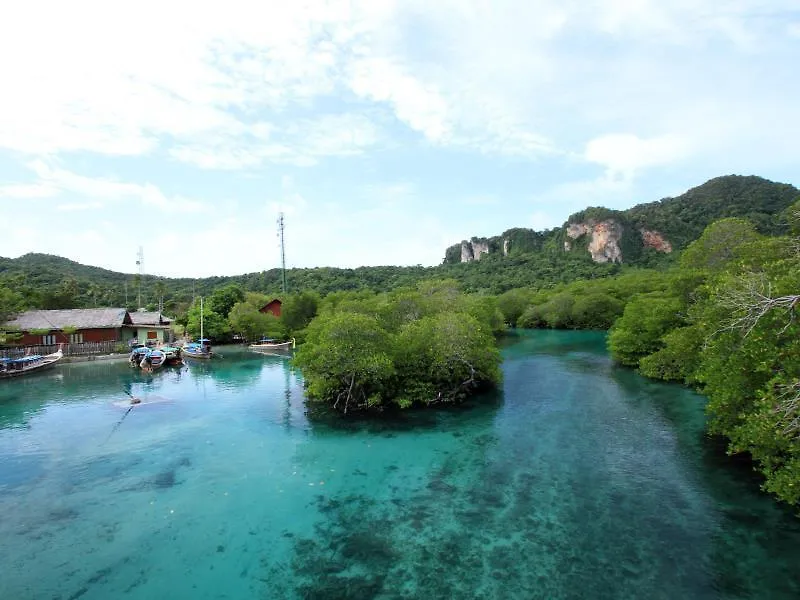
141 317
82 318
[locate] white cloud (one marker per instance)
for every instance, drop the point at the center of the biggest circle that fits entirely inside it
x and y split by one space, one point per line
384 89
417 104
90 187
624 154
300 143
55 181
27 190
79 206
467 74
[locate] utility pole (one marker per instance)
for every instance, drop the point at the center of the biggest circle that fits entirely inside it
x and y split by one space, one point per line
140 264
283 253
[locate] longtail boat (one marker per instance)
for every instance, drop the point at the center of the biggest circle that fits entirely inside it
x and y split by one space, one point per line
14 367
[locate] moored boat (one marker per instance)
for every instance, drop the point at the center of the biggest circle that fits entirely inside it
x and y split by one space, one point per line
147 359
173 355
200 349
271 345
14 367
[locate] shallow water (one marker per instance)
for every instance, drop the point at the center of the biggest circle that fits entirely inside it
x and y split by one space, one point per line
577 480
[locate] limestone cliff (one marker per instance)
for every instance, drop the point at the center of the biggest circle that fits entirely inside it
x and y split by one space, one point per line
472 250
604 242
633 235
653 239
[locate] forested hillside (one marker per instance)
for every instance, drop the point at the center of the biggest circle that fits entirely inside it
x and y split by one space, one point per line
45 281
533 259
677 220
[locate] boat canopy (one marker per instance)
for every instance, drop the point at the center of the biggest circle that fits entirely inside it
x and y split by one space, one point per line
23 359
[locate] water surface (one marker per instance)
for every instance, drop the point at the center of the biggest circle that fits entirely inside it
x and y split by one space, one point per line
576 480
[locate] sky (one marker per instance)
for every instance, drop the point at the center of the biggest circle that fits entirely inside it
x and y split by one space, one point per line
384 130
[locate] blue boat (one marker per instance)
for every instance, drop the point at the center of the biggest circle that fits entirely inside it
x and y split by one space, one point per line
199 349
14 367
147 359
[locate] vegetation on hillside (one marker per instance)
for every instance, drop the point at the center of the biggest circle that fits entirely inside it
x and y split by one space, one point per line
535 259
680 220
43 281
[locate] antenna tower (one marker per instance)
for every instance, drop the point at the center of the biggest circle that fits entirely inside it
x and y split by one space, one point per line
140 264
283 253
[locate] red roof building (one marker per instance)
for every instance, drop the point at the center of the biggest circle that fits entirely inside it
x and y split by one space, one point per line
272 307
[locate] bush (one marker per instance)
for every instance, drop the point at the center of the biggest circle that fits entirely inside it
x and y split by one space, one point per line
411 348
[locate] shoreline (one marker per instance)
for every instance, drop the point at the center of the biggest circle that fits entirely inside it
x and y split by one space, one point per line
92 357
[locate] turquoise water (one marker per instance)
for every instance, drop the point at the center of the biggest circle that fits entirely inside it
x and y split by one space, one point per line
577 480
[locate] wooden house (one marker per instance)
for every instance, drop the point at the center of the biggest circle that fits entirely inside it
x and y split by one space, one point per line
47 327
272 307
79 325
150 327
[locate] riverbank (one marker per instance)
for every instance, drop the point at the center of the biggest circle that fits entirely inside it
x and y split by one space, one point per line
93 357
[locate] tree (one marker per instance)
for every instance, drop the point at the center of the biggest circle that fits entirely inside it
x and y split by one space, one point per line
595 311
223 299
246 320
557 312
346 361
638 332
215 327
718 244
679 357
64 296
137 284
512 304
160 289
297 310
444 358
379 350
10 303
255 299
94 292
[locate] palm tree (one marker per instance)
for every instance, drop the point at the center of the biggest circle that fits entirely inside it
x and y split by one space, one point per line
94 292
137 282
161 289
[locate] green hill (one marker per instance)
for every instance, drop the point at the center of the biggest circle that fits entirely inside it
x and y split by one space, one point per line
668 223
517 258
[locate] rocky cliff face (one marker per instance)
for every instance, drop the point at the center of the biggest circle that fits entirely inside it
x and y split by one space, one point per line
472 250
604 243
653 239
616 236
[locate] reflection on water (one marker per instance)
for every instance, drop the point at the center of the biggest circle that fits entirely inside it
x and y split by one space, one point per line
578 480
